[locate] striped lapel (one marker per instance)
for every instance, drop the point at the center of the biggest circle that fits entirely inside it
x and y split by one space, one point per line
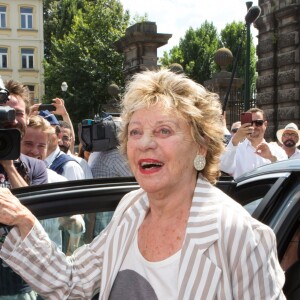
201 233
125 225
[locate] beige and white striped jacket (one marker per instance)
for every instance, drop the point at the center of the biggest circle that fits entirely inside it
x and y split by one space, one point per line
226 253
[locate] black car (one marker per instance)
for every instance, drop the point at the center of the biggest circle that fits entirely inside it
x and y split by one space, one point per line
270 193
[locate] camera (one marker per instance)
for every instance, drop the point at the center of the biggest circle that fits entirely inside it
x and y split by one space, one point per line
10 138
99 134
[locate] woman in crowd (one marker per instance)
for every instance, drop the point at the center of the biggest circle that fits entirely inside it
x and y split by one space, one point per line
178 236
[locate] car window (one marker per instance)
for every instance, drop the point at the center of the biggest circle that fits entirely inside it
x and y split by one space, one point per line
71 232
251 206
292 253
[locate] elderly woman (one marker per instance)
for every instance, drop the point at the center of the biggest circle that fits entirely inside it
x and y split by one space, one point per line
178 236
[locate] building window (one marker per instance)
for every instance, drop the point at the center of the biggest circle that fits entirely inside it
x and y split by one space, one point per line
26 18
31 93
2 17
3 58
27 58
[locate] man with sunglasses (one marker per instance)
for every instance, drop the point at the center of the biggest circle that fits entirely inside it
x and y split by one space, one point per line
289 138
248 149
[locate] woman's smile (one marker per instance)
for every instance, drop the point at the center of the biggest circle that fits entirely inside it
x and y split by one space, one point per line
149 166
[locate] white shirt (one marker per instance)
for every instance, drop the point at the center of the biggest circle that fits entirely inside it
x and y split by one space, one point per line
54 177
153 280
71 170
237 160
84 165
296 154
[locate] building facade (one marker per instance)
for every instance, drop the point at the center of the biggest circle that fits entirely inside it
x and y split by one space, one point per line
139 46
22 44
278 66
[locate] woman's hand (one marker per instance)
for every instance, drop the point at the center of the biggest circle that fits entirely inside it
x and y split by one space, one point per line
13 213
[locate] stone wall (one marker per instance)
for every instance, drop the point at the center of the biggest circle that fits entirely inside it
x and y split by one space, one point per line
139 46
278 65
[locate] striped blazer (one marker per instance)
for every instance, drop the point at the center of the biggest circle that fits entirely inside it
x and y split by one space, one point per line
226 253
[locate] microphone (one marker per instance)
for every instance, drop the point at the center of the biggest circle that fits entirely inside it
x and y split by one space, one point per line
252 14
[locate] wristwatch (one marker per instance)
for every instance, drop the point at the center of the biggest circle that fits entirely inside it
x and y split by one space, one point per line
4 230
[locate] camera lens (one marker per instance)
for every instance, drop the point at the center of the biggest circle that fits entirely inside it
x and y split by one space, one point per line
3 96
5 144
10 140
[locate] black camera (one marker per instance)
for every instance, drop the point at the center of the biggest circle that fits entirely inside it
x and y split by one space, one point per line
10 138
99 134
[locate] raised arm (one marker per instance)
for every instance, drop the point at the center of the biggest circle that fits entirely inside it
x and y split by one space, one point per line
61 110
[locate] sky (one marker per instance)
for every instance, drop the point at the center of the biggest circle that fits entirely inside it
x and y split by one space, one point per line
177 16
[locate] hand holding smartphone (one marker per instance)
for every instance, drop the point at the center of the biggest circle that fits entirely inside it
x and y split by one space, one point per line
246 117
49 107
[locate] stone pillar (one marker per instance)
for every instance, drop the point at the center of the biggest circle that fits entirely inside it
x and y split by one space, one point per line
278 63
220 82
139 46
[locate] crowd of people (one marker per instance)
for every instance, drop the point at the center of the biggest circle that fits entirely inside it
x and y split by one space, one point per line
178 236
247 148
47 156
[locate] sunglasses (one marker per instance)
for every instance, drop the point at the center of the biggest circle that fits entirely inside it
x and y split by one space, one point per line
234 130
257 123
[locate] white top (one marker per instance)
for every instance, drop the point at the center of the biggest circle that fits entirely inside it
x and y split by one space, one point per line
84 165
72 170
296 154
237 160
54 177
147 280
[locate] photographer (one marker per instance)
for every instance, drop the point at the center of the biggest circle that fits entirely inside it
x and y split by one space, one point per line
20 172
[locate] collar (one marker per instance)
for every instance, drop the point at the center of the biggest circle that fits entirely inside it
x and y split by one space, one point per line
51 157
248 142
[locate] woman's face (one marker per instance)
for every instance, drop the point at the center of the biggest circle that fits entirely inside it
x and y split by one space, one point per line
161 151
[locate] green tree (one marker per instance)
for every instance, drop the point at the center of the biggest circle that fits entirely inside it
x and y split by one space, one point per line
58 19
233 37
195 52
86 59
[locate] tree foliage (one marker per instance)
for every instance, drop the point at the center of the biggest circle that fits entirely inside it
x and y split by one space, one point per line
138 19
233 37
86 59
195 52
197 48
58 19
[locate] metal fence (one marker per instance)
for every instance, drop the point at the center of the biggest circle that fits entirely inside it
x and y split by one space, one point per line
235 106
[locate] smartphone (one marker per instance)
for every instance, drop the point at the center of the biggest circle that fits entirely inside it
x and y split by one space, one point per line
49 107
246 117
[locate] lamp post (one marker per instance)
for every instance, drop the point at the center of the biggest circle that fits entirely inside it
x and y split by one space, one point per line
64 87
247 64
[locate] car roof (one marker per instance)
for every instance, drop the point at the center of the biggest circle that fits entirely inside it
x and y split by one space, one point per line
288 165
